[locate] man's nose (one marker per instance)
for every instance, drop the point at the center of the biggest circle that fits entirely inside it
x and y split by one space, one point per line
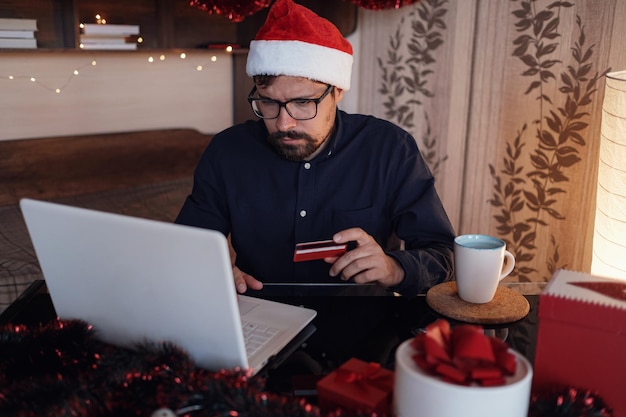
284 121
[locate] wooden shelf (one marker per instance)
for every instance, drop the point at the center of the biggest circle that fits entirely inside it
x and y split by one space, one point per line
163 23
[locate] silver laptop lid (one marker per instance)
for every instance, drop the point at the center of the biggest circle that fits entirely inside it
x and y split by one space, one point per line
136 279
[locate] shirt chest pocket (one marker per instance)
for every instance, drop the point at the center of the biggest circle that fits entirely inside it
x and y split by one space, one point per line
368 219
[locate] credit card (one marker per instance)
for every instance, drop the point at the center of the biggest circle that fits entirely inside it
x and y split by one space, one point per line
320 249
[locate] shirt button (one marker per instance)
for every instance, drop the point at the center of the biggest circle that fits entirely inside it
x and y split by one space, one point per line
307 165
302 213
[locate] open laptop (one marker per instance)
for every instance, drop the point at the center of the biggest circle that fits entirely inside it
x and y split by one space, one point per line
137 280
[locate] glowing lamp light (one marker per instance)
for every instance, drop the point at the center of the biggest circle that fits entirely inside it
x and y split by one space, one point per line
609 240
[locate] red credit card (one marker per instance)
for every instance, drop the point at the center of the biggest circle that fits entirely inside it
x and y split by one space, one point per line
318 250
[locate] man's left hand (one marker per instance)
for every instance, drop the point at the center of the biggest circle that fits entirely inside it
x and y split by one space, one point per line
367 263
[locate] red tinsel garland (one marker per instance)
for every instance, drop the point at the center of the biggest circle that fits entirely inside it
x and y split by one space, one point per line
382 4
61 369
237 11
569 402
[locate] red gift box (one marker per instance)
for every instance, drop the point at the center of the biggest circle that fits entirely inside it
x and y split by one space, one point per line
581 340
357 386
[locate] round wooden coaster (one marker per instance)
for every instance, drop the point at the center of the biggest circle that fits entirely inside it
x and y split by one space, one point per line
507 305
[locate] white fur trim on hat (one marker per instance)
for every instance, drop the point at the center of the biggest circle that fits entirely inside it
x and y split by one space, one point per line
300 59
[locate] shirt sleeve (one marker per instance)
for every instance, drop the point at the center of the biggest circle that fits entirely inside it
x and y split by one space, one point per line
205 206
421 222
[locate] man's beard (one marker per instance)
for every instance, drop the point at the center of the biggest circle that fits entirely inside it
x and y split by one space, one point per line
293 152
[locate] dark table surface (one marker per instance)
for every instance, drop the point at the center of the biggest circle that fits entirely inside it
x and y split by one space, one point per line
367 328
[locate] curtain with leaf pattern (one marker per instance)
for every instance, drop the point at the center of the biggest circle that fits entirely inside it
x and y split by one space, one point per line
504 99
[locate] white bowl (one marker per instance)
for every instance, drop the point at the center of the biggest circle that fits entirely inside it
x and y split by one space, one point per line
417 393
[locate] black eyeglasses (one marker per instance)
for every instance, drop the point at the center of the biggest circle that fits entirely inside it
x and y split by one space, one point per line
298 108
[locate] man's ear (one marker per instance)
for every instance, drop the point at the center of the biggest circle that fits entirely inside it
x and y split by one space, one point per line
338 94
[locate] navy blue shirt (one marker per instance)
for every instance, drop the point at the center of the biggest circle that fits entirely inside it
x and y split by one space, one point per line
370 175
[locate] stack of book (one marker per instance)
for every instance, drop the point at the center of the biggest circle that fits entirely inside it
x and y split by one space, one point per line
18 33
108 36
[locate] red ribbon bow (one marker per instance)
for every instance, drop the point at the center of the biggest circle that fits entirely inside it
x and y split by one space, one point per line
369 375
463 355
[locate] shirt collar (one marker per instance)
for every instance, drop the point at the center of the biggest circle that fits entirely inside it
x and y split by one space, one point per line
334 139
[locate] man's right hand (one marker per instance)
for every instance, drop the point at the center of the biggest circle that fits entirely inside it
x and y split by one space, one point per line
244 281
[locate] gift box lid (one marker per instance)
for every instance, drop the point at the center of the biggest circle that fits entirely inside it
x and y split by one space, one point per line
357 384
585 299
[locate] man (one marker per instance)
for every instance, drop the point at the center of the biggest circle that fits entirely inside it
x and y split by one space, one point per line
307 171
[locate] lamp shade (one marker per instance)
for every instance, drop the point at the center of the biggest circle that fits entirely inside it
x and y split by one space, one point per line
609 240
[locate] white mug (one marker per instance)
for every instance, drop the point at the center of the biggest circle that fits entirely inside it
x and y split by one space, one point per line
479 266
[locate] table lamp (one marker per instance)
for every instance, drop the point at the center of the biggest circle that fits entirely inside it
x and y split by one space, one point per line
609 240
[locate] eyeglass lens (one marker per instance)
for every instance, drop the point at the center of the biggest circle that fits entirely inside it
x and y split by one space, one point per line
299 109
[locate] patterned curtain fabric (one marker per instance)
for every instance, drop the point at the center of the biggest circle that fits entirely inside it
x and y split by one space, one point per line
504 99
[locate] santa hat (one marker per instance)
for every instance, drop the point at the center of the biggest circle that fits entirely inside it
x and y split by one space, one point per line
294 41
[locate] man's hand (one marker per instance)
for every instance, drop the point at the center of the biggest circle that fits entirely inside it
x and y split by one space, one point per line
244 281
367 263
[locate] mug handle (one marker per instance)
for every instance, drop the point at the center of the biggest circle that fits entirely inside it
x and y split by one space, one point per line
509 264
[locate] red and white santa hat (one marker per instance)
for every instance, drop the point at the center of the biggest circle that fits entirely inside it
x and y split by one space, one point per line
294 41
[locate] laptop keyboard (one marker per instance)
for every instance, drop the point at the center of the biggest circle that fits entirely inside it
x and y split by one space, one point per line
256 336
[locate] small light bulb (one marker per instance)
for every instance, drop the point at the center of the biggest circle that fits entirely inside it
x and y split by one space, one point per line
58 90
183 55
229 48
199 68
75 72
33 79
162 58
10 77
213 58
150 59
93 63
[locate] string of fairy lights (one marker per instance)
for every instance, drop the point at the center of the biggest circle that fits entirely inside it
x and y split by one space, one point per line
77 71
